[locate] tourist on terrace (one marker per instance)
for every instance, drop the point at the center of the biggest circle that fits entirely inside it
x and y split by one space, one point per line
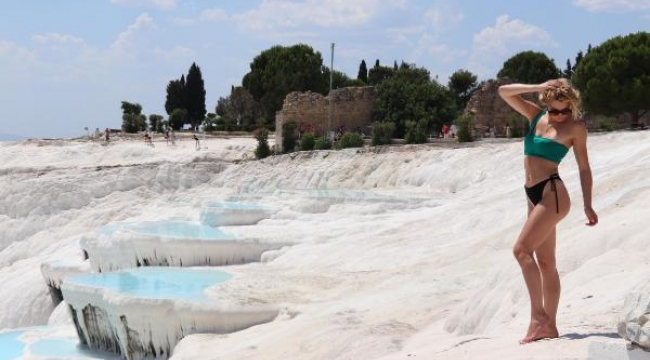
553 131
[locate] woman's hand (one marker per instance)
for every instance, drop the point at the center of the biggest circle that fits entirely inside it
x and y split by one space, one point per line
551 84
592 217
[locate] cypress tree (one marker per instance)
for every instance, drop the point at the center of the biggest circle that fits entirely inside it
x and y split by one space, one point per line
195 96
568 71
175 95
363 72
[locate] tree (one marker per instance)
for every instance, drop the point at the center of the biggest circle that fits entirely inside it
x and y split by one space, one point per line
529 67
210 123
131 108
195 96
132 118
239 109
614 77
410 94
465 124
280 70
341 80
363 72
262 150
379 73
579 57
568 71
177 118
462 85
155 122
175 95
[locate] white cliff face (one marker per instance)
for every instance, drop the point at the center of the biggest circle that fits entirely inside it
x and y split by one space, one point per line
143 313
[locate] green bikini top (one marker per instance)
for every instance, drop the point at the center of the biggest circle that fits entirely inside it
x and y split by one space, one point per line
543 147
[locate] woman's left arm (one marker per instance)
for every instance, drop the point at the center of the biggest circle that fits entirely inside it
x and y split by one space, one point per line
586 180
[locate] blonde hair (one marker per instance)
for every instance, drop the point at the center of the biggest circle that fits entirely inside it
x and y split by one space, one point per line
565 92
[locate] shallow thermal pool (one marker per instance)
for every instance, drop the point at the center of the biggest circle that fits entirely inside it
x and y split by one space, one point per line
12 347
232 205
173 229
40 342
227 213
155 282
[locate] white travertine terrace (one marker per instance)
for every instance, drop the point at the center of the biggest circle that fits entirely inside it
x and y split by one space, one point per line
141 313
132 247
55 271
234 213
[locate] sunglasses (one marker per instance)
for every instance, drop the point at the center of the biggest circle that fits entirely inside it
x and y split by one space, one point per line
555 112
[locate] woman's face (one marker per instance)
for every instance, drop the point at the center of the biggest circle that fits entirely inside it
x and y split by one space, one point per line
559 111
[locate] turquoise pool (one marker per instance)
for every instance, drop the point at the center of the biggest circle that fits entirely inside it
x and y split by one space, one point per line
156 282
230 205
12 347
46 346
172 229
181 229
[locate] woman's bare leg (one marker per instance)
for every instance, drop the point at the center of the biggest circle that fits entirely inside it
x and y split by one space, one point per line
545 255
538 228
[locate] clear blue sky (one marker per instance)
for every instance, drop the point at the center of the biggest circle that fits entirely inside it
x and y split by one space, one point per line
68 64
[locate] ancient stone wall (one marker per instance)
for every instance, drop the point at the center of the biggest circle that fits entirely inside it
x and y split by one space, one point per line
489 109
352 109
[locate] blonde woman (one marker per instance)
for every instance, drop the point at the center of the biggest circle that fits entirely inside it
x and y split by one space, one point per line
553 131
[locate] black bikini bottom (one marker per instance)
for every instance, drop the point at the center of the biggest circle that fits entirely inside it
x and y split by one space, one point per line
536 192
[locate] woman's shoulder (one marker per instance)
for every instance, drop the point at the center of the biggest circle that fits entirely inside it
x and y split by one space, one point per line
579 126
577 130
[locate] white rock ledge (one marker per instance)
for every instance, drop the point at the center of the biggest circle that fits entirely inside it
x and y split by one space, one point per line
615 350
635 324
134 246
235 213
55 271
143 313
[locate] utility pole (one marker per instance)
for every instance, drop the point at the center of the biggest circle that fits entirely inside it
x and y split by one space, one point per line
331 108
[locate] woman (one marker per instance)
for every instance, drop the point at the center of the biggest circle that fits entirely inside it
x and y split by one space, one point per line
553 131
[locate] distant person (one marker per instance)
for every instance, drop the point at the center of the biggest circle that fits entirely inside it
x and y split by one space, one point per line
197 143
452 131
445 131
107 135
167 137
553 131
172 137
97 133
148 140
508 132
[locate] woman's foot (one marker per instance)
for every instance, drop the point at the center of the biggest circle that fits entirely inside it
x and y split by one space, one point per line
540 329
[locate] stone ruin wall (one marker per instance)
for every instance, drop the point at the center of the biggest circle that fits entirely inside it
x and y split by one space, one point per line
353 109
489 109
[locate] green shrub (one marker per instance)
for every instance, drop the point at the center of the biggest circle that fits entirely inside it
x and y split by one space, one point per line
464 125
263 150
322 143
382 132
350 140
307 141
416 132
607 123
289 136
